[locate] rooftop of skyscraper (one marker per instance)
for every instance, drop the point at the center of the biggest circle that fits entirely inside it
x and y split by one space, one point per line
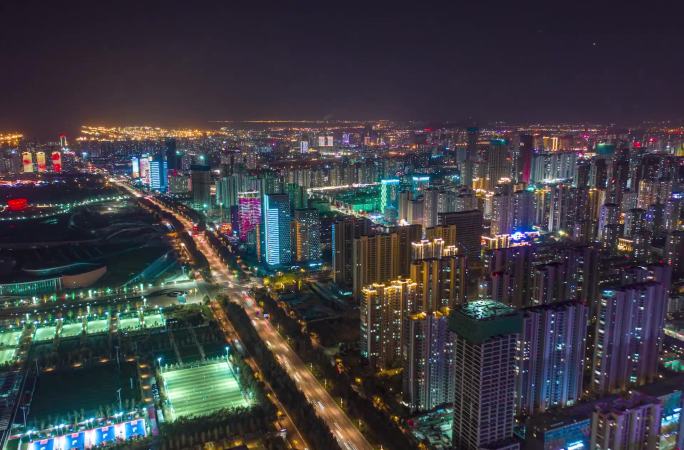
481 320
485 310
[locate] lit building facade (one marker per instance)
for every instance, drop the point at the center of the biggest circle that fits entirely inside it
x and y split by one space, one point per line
485 337
277 230
550 357
158 174
626 423
628 337
200 184
428 376
249 212
385 309
307 235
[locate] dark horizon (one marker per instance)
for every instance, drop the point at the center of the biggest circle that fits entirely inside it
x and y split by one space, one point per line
177 64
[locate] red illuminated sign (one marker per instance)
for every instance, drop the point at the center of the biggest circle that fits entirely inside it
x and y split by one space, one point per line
17 204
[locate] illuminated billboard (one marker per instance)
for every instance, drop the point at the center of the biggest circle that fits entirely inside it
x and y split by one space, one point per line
56 158
40 161
95 437
27 162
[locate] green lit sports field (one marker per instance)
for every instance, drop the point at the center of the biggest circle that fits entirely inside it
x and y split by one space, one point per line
7 355
154 321
45 334
71 330
129 324
198 391
97 326
10 338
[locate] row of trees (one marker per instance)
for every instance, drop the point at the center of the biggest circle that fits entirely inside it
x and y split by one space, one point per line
314 429
75 417
358 406
219 425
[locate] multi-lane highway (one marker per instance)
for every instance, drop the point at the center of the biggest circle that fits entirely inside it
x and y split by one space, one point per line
347 435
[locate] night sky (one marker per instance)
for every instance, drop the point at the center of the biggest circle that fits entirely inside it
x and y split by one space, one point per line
184 63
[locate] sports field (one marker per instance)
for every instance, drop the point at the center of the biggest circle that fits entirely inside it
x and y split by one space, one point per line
7 355
97 326
10 338
128 324
64 391
71 329
45 334
154 321
198 391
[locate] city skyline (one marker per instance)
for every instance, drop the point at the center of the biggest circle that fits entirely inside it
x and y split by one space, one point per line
170 65
341 226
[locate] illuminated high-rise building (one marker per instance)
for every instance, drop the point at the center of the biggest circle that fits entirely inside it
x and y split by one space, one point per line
145 169
610 216
158 174
551 143
403 208
430 207
634 222
441 282
469 230
653 191
627 423
385 310
227 188
249 213
277 231
502 213
307 235
485 337
628 337
325 141
428 375
498 165
674 251
389 194
200 184
297 195
344 231
446 233
382 257
425 249
550 357
522 211
468 163
173 157
178 183
135 167
526 275
523 158
419 183
553 167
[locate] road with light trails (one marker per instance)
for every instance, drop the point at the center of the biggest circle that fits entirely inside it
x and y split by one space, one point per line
295 437
347 435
